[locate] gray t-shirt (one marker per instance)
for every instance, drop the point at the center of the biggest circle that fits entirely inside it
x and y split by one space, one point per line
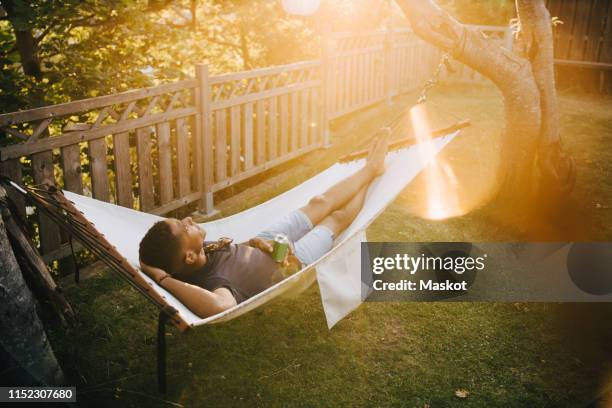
244 270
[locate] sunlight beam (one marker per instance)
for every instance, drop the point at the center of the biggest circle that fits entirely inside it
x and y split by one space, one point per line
441 190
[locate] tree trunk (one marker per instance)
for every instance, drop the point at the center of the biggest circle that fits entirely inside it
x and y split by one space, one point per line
193 6
244 48
529 98
26 44
536 39
35 272
23 338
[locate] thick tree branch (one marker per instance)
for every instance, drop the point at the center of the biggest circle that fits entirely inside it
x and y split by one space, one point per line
193 6
510 72
42 35
244 49
466 45
224 43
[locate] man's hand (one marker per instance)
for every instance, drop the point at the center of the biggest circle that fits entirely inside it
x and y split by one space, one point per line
267 245
154 273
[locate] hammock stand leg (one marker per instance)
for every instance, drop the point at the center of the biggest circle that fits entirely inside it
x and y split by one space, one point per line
74 261
161 352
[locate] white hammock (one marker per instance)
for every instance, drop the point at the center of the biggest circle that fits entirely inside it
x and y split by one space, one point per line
338 272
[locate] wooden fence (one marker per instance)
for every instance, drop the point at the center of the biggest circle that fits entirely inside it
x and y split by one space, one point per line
583 43
368 68
586 33
161 148
356 69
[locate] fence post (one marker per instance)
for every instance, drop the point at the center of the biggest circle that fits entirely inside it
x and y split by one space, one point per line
389 66
327 83
203 145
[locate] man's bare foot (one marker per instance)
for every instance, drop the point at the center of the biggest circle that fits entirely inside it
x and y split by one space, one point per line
376 157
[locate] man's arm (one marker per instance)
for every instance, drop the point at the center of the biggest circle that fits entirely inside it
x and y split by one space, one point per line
200 301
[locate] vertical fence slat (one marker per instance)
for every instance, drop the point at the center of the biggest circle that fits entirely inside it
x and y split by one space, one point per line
360 82
145 173
606 46
304 118
221 145
328 86
164 149
364 74
42 169
99 169
12 169
182 157
260 137
339 88
123 170
333 103
248 136
294 122
387 54
401 69
365 83
284 124
272 129
354 80
197 149
194 123
341 91
347 83
71 165
313 122
351 88
235 140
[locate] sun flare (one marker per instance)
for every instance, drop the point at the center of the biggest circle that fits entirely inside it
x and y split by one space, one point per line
441 187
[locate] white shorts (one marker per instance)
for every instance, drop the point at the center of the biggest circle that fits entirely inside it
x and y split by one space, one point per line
308 243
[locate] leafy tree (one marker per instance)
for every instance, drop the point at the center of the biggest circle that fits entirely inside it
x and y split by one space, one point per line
59 50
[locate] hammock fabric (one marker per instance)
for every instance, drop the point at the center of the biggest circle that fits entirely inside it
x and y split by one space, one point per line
113 233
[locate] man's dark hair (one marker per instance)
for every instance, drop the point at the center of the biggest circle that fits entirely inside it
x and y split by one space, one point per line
160 247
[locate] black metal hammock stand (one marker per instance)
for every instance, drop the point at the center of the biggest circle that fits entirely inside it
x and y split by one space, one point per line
58 208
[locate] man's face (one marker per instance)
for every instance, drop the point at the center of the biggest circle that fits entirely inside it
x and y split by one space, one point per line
191 239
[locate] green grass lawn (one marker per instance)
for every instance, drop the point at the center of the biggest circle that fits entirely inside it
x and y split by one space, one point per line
383 354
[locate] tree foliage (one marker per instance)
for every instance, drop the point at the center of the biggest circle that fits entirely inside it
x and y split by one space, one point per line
80 49
53 51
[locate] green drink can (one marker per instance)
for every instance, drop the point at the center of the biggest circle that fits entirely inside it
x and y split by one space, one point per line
281 246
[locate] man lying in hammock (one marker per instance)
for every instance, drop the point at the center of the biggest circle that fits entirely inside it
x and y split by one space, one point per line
172 252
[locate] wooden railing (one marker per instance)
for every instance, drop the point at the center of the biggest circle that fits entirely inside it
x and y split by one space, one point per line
357 67
412 61
161 148
261 118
